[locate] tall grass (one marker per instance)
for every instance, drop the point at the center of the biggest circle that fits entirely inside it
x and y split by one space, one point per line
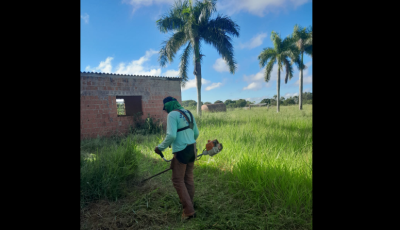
266 164
268 154
106 171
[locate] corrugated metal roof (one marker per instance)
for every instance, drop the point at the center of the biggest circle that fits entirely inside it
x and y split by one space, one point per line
133 75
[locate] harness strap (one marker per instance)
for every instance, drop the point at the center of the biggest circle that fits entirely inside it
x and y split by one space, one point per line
190 126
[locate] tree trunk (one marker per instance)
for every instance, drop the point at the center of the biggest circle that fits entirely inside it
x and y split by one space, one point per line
198 85
197 73
301 86
278 84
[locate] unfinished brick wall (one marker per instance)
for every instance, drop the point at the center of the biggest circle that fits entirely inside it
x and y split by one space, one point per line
98 101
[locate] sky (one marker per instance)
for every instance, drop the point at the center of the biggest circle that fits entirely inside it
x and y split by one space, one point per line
121 37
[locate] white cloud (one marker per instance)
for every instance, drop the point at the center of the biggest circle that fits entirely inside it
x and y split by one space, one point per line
104 66
287 95
254 42
256 81
306 80
171 73
213 86
253 86
308 65
220 65
192 83
136 4
307 90
258 7
135 67
85 18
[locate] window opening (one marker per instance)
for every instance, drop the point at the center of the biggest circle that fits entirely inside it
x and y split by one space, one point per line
129 105
121 107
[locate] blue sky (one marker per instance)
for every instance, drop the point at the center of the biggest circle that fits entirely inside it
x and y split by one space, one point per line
122 37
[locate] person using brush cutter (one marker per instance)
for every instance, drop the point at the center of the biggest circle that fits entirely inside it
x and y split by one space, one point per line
182 133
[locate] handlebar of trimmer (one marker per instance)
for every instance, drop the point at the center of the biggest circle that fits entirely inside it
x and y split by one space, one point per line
162 155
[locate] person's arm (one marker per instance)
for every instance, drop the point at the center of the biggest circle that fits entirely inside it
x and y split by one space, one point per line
195 129
171 132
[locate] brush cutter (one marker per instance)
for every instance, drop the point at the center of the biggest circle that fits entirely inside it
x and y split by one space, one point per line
212 148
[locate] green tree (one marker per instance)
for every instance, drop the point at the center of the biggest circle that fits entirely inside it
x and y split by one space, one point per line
218 101
207 103
241 103
248 103
189 103
230 104
296 99
191 25
307 96
303 41
266 100
280 54
289 101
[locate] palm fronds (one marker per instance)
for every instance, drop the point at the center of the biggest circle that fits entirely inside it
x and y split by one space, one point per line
268 69
183 66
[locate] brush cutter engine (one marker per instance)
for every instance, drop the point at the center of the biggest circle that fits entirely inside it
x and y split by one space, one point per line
212 148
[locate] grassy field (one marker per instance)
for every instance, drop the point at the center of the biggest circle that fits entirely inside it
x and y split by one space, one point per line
261 180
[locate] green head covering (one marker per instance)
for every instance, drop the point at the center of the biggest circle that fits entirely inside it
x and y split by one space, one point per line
171 105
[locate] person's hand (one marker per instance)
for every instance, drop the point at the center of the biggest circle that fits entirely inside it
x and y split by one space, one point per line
156 150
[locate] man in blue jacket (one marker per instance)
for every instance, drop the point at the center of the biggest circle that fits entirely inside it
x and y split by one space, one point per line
182 133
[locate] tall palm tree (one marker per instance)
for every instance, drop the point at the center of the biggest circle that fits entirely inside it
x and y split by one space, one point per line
303 41
191 24
281 53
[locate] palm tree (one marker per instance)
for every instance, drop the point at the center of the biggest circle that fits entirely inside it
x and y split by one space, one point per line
280 54
303 41
191 25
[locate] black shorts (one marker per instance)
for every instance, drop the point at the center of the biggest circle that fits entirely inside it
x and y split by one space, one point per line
186 155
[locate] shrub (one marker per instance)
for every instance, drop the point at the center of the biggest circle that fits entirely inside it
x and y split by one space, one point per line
147 126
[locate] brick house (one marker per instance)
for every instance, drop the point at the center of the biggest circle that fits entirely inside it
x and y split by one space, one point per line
137 94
